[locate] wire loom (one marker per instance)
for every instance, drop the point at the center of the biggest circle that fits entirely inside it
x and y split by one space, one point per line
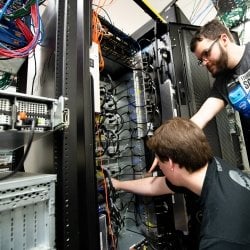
116 45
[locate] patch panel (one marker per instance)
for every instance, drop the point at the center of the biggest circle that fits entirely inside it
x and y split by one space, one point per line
19 111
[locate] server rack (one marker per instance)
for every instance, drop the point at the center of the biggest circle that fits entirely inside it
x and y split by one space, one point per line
67 71
76 205
77 222
187 86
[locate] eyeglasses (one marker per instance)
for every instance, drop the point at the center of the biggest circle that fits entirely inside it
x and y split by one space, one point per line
206 53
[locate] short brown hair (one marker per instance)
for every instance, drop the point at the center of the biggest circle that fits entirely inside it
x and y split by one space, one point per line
183 141
211 30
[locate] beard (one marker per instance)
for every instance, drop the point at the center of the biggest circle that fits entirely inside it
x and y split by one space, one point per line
221 63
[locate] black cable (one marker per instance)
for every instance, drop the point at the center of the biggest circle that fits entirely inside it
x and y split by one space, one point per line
115 116
107 98
118 93
34 77
5 58
124 96
20 164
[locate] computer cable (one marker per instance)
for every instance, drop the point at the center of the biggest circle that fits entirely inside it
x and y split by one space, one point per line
20 164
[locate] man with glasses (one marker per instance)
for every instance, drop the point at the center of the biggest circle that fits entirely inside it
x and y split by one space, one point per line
229 64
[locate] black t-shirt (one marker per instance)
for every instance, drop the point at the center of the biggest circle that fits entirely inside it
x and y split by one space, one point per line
225 207
224 82
225 203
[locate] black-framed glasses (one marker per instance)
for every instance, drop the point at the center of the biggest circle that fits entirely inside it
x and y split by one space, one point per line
206 53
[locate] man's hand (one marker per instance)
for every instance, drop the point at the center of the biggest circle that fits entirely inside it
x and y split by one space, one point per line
115 183
154 164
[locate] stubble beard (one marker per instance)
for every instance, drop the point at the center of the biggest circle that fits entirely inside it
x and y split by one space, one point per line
221 63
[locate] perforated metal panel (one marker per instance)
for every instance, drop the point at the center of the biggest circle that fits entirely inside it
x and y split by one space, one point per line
27 212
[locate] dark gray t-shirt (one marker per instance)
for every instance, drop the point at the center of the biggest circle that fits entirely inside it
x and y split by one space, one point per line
225 206
225 202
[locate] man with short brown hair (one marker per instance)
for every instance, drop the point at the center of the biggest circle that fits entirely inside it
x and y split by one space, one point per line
185 158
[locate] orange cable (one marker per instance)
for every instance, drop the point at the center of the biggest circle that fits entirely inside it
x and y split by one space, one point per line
106 196
97 35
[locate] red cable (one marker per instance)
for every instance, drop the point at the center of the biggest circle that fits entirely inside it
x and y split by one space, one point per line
26 50
25 29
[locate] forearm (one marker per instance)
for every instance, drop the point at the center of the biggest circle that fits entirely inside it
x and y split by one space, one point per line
207 112
151 186
198 120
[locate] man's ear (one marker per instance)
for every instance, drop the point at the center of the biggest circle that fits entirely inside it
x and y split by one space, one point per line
171 164
224 39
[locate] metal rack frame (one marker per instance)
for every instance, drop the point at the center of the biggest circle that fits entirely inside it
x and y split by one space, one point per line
77 219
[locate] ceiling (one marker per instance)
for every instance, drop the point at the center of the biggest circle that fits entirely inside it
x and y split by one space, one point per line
129 17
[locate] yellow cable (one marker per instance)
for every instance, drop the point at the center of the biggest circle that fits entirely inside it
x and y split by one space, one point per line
153 10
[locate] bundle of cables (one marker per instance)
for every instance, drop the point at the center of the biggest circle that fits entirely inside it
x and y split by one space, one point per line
6 80
231 13
97 34
16 17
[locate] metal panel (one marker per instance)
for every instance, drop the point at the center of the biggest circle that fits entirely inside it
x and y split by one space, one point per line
65 143
27 211
198 83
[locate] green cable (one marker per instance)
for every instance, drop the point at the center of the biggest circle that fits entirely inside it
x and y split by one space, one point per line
235 16
23 11
5 80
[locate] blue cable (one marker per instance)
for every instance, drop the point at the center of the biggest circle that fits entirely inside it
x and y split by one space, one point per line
4 9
